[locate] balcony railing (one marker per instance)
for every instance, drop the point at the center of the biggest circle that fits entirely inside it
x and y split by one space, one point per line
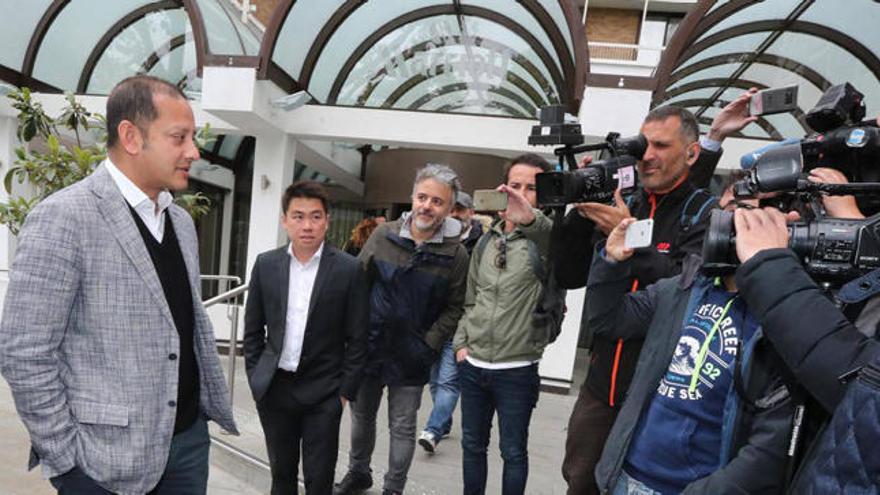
624 53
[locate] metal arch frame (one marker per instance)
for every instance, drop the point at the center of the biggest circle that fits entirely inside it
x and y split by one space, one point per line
700 102
424 13
200 35
115 30
677 45
154 58
683 51
26 78
521 60
776 29
39 34
512 112
16 78
576 78
716 16
778 61
412 82
578 32
849 44
270 40
716 82
713 82
327 31
526 108
537 11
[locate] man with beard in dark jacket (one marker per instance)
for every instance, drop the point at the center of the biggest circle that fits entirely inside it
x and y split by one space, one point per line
417 268
674 166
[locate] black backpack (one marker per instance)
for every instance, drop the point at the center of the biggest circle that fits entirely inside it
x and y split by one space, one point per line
550 309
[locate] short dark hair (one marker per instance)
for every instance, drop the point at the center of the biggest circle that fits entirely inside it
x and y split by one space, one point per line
689 129
304 189
132 100
530 159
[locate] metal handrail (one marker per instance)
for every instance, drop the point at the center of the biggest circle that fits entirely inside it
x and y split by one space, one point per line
233 278
233 332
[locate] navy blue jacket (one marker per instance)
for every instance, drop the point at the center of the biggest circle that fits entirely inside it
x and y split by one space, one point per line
754 441
416 299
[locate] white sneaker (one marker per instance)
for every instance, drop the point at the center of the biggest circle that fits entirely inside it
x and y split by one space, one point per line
428 441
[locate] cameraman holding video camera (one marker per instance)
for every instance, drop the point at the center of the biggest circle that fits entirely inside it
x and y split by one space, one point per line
671 171
820 344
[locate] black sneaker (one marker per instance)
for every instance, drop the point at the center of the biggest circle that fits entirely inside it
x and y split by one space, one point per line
353 483
390 492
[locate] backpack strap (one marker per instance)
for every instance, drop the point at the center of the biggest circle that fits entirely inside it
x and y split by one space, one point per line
694 206
480 248
536 262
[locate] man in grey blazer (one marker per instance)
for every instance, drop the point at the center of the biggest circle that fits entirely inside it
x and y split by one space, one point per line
104 341
305 332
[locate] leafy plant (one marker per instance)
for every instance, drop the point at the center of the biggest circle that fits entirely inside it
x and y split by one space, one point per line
62 164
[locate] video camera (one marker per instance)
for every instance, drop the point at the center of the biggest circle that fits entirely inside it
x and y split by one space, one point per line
832 250
595 182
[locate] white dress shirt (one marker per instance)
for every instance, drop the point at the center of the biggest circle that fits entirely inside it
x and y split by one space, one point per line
151 213
299 295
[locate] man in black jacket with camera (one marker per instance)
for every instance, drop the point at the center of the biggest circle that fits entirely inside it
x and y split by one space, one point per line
671 171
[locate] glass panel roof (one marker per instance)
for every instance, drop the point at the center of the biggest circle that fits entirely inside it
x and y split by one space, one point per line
826 44
506 45
179 63
303 23
555 10
762 11
417 37
89 49
60 61
226 33
486 66
522 17
16 27
490 62
131 50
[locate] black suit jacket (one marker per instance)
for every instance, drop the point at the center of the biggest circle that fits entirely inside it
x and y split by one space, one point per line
334 345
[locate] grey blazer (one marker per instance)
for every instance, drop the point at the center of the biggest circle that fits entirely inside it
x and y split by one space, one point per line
86 335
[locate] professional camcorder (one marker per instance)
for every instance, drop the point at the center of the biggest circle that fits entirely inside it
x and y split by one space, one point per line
832 250
595 182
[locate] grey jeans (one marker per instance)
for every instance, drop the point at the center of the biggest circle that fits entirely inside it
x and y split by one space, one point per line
403 404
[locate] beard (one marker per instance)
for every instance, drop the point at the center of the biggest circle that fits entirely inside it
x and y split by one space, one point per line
424 226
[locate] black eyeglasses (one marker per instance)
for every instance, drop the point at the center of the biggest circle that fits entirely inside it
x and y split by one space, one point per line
501 257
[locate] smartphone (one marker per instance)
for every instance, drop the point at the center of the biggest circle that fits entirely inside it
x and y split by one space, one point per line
775 100
489 200
638 234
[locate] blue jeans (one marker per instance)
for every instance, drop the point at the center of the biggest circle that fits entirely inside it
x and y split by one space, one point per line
513 393
444 392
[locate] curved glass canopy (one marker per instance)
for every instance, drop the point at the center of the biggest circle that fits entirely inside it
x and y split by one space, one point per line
87 46
488 57
725 47
494 57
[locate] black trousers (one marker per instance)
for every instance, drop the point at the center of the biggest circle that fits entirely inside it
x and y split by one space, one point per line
287 424
588 429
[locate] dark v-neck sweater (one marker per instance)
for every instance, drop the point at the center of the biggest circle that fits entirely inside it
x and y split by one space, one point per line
171 268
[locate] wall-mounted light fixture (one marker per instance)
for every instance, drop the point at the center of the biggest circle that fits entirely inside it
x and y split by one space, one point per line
292 101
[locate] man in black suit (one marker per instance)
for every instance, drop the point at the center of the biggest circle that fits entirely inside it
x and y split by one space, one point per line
304 342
